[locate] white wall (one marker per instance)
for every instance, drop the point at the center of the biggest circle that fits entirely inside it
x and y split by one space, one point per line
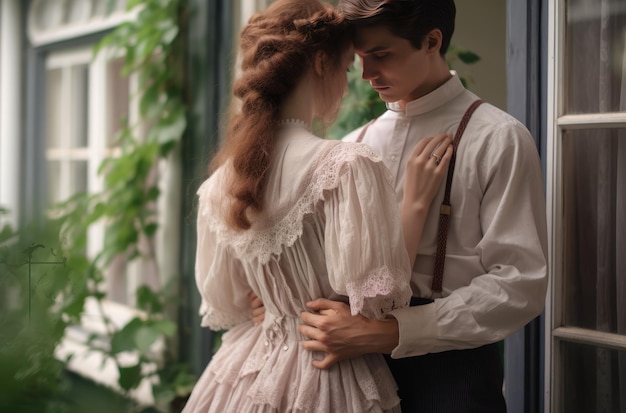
481 28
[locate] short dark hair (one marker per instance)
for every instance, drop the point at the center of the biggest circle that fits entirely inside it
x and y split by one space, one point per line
409 19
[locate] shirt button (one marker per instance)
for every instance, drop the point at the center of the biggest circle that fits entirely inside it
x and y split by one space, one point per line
285 347
393 157
267 343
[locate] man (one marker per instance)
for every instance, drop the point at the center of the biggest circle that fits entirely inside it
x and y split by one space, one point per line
443 348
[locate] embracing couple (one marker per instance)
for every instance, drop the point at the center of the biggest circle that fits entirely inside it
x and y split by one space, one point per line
381 270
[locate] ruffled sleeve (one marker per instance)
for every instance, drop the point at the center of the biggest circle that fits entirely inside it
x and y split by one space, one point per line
365 252
219 275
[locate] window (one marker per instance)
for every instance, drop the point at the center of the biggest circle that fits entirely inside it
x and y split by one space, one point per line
587 200
67 116
85 100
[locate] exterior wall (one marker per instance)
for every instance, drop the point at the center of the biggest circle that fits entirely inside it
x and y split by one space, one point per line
481 28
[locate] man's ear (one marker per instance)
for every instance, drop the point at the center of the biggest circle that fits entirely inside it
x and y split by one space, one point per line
319 61
433 40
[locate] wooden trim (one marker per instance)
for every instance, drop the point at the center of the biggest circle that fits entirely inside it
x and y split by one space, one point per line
527 32
591 337
592 121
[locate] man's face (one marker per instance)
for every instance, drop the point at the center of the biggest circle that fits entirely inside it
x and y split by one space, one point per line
395 69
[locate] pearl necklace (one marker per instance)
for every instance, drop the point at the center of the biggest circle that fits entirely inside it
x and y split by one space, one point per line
295 123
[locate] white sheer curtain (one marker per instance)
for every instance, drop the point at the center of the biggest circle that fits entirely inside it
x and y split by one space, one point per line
620 241
594 204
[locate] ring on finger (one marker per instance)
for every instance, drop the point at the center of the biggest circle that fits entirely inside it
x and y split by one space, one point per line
437 157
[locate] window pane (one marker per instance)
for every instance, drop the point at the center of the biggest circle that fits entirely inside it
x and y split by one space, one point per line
49 13
54 182
118 100
594 230
78 177
78 11
54 107
594 379
79 116
595 56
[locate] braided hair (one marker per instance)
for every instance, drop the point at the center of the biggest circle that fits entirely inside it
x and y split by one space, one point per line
277 48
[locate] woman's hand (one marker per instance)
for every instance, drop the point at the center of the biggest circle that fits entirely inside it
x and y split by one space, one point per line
424 172
258 310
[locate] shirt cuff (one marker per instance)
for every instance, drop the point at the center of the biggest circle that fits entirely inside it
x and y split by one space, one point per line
417 328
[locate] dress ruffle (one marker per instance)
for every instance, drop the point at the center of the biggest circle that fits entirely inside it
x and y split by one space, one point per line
284 228
265 369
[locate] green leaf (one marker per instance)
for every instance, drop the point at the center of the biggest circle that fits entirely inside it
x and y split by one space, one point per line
163 395
468 57
169 35
130 377
150 229
145 337
172 130
124 339
153 193
148 300
165 327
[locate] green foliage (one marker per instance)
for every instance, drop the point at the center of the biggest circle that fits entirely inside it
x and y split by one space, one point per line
36 307
153 52
466 57
40 292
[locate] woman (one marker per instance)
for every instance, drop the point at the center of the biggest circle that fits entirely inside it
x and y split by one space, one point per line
291 217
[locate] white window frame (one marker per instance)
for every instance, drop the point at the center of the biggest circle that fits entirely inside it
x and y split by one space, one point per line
59 29
10 109
557 122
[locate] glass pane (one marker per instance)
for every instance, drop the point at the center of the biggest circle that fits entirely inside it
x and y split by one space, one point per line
595 56
116 279
54 182
594 230
594 379
49 13
117 100
99 8
78 11
79 116
78 177
54 107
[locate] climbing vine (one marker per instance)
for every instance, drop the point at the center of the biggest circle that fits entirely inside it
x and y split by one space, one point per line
152 47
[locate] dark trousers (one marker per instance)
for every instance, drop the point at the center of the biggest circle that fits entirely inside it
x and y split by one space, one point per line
456 381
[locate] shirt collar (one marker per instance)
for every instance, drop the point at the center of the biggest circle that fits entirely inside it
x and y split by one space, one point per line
438 97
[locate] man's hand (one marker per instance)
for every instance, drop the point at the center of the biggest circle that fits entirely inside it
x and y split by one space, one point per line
258 310
334 331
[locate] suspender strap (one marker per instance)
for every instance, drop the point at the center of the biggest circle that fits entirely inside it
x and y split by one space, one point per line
446 208
362 134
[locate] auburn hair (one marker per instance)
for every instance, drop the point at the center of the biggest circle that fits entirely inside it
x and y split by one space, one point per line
277 47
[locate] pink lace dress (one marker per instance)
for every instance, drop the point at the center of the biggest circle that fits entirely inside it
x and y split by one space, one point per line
331 229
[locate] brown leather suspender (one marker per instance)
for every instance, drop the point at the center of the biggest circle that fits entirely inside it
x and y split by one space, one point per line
446 209
362 134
